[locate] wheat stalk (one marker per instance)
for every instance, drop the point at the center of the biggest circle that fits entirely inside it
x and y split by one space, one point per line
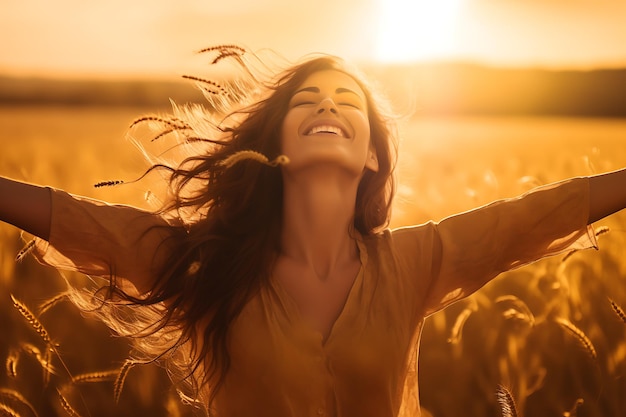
225 54
66 406
17 397
95 376
602 230
52 302
171 122
47 370
5 410
214 88
580 335
25 251
32 320
191 139
254 156
515 309
121 377
224 51
506 401
168 131
11 363
618 310
109 183
223 48
457 328
44 360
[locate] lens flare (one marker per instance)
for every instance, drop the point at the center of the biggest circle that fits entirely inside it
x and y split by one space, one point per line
416 30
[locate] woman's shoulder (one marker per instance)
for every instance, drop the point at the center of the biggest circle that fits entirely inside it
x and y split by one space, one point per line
401 238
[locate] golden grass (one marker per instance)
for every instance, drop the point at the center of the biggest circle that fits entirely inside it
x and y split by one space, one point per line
5 410
254 156
111 375
48 304
33 321
16 397
455 333
505 334
580 335
11 363
43 358
121 378
506 401
25 250
618 310
66 406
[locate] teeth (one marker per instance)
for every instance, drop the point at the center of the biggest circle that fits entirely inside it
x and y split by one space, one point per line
326 129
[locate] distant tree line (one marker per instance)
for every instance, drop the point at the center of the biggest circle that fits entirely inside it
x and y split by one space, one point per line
428 89
450 89
16 91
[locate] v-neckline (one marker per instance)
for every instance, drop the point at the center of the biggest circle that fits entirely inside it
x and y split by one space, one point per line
290 304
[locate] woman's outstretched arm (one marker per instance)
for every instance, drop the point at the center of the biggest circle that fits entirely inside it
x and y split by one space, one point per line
26 206
607 194
87 235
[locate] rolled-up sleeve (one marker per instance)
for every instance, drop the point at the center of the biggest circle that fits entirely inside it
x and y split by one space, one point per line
100 239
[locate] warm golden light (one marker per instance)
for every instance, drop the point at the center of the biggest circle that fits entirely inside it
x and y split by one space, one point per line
412 30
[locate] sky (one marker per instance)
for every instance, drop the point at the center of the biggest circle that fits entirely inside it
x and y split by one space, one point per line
158 38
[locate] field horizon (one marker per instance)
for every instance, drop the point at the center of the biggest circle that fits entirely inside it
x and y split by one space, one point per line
444 89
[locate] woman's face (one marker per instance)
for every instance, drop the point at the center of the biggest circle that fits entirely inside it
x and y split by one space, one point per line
327 123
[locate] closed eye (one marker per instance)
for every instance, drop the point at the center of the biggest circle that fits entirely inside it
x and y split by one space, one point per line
303 103
355 106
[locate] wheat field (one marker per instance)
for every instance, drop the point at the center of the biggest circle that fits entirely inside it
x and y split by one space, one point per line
550 337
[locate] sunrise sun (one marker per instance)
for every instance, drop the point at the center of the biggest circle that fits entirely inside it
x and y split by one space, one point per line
412 30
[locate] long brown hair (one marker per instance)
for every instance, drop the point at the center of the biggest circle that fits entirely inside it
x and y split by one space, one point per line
226 252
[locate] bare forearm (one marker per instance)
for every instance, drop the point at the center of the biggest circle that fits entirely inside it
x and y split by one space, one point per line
25 206
607 194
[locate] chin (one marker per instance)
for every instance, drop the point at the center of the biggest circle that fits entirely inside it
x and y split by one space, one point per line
325 164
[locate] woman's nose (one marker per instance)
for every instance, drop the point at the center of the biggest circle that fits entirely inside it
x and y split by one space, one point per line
328 104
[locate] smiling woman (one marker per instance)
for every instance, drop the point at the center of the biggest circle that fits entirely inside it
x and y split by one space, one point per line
276 289
327 120
411 30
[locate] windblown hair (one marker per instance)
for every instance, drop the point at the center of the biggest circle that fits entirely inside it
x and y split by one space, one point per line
226 210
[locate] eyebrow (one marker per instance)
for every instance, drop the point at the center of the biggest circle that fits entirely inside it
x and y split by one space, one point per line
339 90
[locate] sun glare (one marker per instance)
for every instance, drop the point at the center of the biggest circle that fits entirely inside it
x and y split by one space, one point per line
411 30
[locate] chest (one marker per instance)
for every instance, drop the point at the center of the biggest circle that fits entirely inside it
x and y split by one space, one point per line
319 302
279 364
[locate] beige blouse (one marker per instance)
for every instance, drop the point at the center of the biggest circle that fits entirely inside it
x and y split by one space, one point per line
368 364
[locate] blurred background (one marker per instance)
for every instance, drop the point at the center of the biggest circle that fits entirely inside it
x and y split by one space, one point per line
496 97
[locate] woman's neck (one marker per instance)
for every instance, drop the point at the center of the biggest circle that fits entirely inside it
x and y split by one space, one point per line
318 212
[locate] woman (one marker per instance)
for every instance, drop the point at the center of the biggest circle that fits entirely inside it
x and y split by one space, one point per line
269 282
